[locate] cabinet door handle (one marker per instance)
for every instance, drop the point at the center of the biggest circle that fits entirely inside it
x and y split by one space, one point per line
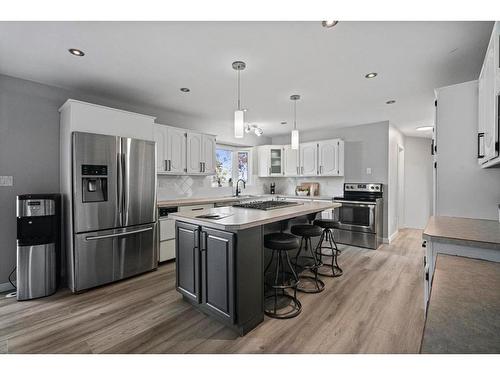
196 234
201 166
204 167
480 145
166 165
203 246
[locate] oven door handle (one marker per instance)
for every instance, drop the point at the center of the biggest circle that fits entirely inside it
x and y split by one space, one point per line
356 204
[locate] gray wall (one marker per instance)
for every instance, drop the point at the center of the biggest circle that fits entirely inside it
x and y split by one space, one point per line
418 182
29 145
366 146
464 189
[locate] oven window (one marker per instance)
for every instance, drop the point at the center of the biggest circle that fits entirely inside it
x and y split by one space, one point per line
354 215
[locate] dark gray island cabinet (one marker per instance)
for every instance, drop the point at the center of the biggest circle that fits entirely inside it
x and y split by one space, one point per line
220 272
220 262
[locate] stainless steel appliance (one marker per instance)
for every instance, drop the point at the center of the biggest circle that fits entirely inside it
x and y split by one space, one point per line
359 221
38 245
113 209
267 205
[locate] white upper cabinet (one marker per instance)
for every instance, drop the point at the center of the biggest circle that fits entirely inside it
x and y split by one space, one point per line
170 150
308 159
176 147
291 161
194 153
270 161
209 158
331 157
200 153
488 103
320 158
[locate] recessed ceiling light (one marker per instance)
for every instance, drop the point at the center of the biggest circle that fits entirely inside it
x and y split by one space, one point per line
371 75
329 24
424 128
185 89
390 101
76 52
284 122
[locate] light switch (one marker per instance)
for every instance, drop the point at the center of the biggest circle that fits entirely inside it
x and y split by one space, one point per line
368 171
6 180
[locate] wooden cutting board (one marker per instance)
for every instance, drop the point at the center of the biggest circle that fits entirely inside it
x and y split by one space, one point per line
312 186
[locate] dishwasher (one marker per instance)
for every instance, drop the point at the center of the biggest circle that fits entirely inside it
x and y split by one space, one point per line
167 234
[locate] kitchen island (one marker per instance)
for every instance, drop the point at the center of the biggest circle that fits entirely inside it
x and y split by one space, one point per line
220 261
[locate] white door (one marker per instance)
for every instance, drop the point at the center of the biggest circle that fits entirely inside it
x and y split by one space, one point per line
176 151
308 159
208 154
194 153
328 158
160 137
291 161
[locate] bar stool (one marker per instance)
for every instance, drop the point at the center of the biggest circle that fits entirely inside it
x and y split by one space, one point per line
327 235
309 261
281 244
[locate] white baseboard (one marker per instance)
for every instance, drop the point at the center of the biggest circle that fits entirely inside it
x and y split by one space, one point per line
5 287
391 237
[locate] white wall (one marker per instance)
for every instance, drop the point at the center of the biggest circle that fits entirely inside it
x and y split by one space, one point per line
366 146
464 189
396 140
418 182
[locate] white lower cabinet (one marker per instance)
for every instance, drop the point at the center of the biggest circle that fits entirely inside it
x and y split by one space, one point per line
167 239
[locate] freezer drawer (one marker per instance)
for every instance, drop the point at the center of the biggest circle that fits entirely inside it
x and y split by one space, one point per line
106 256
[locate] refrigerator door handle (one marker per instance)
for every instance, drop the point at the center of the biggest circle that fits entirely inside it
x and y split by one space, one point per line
125 182
93 238
119 184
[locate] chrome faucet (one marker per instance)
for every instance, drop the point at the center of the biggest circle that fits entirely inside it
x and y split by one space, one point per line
238 191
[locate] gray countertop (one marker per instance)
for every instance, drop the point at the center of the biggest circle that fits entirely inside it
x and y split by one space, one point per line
242 218
207 200
463 231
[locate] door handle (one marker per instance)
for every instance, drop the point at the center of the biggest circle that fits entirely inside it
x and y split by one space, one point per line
203 246
204 167
166 165
93 238
119 185
480 145
201 166
169 165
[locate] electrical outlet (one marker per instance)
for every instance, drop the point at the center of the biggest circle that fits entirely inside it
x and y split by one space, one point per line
6 180
368 171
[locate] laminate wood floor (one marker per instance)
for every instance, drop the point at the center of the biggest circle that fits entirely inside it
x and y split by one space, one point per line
375 307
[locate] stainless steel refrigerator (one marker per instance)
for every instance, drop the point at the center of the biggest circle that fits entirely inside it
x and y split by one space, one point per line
113 209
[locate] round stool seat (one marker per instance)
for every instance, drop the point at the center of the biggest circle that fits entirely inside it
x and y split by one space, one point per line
281 241
325 223
306 230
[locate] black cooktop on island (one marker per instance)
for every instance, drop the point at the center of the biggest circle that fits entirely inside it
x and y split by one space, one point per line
266 205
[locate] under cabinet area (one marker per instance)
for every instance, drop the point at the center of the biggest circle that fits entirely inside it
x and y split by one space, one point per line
318 158
180 152
221 273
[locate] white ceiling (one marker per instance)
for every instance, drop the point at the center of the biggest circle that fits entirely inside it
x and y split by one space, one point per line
147 63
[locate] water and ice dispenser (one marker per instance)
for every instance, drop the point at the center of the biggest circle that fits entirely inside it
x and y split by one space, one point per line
94 183
38 245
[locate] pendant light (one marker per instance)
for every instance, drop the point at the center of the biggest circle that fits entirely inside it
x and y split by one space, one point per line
295 132
239 114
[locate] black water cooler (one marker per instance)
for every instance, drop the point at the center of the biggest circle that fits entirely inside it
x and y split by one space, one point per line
38 245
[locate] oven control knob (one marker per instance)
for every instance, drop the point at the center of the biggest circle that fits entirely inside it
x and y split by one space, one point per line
378 188
371 187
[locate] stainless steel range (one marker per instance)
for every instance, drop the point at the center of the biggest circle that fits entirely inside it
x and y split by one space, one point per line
360 219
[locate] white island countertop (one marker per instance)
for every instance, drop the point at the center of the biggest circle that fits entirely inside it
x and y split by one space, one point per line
242 218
